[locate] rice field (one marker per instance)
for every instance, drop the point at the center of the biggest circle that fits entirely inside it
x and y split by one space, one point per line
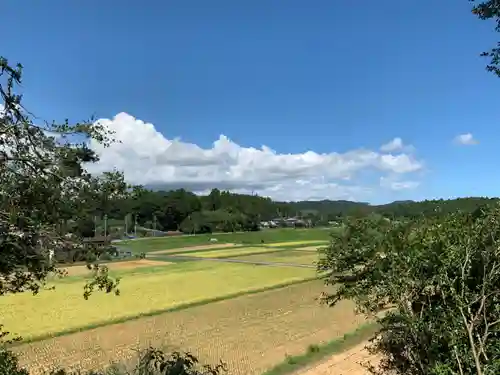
228 252
115 266
296 243
251 333
313 248
291 257
64 309
194 248
245 238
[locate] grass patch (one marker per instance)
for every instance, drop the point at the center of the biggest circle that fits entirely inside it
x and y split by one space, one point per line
316 353
64 310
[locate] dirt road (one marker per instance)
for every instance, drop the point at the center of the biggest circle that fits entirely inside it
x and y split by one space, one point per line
349 362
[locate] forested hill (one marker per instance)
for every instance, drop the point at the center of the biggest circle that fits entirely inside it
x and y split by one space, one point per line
394 209
224 211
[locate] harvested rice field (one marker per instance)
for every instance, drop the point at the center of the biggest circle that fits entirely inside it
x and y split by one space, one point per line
251 333
290 256
116 266
64 309
296 243
228 252
194 248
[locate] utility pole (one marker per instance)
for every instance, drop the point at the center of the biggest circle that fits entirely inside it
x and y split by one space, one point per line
135 226
95 226
126 224
154 225
105 225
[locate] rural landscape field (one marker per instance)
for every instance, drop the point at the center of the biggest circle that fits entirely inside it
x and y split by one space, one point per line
247 302
249 188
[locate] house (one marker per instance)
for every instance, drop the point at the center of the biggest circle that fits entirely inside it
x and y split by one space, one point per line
98 242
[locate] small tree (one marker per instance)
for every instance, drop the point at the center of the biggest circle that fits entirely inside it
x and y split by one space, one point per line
438 282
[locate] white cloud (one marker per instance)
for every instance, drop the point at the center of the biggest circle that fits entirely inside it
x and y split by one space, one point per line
147 157
396 144
466 139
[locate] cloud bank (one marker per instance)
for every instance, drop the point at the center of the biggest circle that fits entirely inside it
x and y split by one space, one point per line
147 157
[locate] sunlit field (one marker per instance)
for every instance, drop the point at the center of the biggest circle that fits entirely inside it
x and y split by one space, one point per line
64 309
290 256
251 333
296 243
229 252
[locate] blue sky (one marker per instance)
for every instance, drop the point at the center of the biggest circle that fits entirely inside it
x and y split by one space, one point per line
296 76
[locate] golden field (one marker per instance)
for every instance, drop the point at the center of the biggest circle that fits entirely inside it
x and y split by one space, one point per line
290 256
296 243
228 252
194 248
312 248
64 308
251 333
115 266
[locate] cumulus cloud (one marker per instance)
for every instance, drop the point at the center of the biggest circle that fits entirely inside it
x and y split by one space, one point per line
147 157
396 144
466 140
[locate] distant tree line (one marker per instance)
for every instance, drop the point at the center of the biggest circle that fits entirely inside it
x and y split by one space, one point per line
223 211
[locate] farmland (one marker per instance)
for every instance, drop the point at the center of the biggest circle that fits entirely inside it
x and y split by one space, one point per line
250 316
251 332
292 256
245 238
229 252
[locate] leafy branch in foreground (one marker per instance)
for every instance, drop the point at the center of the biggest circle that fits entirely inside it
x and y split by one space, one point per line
438 280
490 10
43 185
150 362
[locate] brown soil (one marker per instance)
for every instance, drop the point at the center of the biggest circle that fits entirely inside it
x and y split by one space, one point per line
251 333
193 248
116 266
350 362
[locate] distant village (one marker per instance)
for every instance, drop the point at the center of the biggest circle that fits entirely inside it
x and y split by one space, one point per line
291 222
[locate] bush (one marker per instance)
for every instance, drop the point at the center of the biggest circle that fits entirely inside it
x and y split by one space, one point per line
440 279
106 256
9 364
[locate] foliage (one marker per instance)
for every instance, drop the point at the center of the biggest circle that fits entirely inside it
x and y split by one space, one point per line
440 279
490 10
150 362
42 184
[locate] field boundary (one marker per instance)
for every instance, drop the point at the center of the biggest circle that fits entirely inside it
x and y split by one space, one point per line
160 311
317 353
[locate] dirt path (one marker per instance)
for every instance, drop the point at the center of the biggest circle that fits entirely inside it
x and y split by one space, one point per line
349 362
